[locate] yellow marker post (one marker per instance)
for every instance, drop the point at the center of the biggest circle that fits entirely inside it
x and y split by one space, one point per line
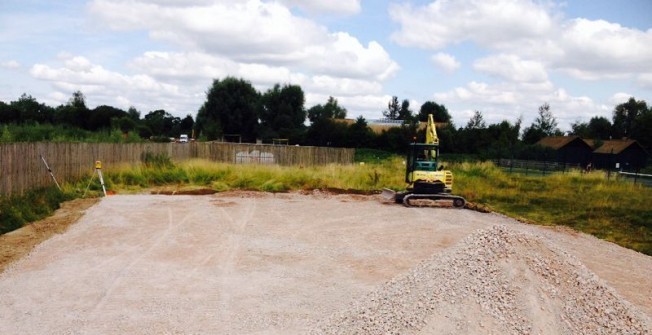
98 169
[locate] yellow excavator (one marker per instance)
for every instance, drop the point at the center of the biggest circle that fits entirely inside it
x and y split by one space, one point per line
425 178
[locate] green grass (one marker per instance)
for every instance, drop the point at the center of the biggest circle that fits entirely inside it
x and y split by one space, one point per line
613 210
222 176
18 211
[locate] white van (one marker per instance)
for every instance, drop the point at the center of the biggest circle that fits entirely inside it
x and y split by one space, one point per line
183 138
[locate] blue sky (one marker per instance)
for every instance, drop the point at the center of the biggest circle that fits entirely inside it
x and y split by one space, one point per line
504 58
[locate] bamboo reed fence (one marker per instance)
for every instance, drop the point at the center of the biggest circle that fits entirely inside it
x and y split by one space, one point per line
22 169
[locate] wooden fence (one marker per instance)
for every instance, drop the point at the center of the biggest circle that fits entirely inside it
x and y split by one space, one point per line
22 169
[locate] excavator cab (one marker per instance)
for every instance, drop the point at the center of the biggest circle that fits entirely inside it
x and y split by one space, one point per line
422 172
422 157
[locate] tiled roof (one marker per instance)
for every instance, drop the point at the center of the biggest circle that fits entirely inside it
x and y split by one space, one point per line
556 142
615 146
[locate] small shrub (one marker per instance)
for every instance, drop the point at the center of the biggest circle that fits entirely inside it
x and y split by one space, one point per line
156 161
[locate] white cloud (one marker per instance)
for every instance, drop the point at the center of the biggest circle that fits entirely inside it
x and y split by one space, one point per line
599 49
253 32
11 64
619 98
478 91
508 101
645 80
180 66
106 87
261 41
533 32
527 43
342 7
177 81
341 87
368 106
441 23
445 62
512 68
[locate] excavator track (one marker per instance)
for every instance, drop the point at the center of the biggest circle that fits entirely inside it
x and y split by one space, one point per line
458 202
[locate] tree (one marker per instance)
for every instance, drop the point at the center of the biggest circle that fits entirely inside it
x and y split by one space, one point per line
439 112
405 113
186 125
124 123
162 123
393 109
8 114
231 107
74 113
133 113
580 129
78 100
503 139
476 121
448 138
642 130
397 139
597 128
326 132
600 128
29 110
474 137
359 135
101 116
282 112
625 115
544 125
331 110
546 121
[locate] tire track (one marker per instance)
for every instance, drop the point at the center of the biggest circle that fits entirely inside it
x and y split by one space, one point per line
117 279
228 260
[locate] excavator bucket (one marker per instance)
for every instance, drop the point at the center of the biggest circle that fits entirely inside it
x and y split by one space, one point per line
388 194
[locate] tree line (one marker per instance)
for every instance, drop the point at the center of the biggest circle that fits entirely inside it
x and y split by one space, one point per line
34 120
235 111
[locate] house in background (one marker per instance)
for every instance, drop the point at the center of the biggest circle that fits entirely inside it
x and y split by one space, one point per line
571 150
627 155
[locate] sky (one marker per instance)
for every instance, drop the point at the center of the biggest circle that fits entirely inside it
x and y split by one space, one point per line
504 58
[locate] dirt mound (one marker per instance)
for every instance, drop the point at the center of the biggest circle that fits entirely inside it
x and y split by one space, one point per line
496 281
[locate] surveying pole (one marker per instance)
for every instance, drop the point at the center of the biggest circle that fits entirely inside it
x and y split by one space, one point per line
98 169
50 171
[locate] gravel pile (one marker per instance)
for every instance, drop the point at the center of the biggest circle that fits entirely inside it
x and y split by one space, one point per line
496 281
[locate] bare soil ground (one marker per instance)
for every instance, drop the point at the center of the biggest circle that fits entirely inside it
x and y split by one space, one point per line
18 243
259 263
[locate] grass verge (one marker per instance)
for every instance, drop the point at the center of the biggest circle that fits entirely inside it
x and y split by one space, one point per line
612 210
270 178
17 211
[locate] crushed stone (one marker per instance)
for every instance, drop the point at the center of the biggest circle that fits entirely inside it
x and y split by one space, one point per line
495 281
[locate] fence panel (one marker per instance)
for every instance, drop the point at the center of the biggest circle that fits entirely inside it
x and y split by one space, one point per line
22 169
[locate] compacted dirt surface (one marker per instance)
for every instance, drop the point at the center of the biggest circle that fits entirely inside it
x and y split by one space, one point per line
318 263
